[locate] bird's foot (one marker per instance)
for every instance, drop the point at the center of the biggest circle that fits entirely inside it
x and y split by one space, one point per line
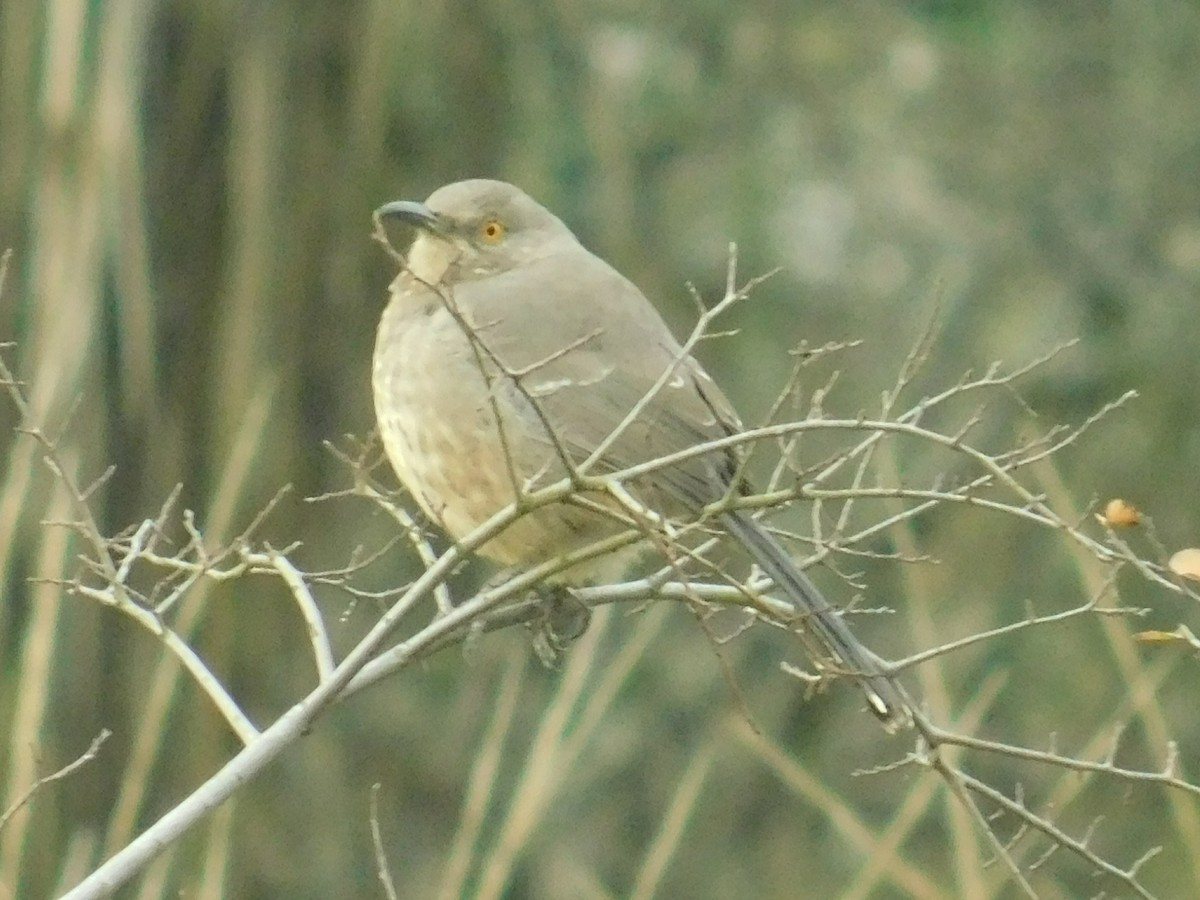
564 618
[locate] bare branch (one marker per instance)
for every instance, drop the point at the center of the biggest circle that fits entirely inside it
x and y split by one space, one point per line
70 768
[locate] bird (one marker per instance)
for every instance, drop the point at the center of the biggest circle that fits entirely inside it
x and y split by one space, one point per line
508 354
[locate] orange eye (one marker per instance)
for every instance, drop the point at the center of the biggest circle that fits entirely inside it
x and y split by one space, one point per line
492 230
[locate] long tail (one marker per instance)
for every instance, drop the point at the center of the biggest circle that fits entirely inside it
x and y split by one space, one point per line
883 694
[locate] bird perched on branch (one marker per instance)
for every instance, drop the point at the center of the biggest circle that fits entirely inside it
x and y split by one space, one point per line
509 356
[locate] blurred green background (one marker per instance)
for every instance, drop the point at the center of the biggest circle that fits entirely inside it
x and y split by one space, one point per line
187 187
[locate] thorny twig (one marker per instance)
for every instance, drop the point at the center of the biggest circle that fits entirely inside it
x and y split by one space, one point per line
112 564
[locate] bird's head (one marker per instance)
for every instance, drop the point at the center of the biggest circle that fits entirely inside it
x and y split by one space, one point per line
476 229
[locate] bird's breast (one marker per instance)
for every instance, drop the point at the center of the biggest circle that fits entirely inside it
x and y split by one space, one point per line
436 415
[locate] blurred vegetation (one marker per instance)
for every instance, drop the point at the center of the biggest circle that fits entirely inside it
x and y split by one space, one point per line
187 186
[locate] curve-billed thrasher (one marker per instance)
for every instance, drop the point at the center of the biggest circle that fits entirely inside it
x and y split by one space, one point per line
504 327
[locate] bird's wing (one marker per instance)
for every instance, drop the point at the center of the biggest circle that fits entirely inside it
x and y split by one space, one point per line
589 347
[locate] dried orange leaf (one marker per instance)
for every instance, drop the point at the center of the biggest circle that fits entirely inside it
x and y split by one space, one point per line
1156 637
1120 514
1186 563
1181 635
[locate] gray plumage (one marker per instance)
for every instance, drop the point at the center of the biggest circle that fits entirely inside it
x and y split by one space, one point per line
589 347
